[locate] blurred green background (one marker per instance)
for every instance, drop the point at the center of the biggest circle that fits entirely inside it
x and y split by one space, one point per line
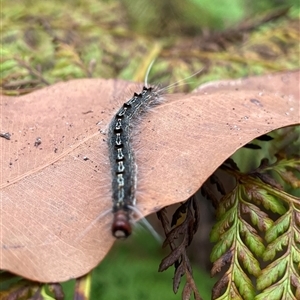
130 272
44 42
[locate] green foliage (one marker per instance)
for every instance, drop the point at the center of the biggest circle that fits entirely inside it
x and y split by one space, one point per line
44 293
258 224
189 16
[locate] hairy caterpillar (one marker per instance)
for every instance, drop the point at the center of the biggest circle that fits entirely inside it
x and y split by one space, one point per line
122 157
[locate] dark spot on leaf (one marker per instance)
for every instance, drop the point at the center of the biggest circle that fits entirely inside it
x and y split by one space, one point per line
256 102
37 142
5 135
87 112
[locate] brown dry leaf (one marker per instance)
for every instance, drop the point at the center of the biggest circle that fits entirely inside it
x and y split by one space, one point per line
50 193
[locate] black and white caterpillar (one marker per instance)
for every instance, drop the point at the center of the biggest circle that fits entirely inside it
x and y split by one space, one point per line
123 166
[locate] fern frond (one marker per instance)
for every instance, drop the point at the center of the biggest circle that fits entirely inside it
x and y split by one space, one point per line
282 167
280 279
238 245
258 221
260 196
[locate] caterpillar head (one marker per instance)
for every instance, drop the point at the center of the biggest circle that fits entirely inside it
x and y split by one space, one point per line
121 227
